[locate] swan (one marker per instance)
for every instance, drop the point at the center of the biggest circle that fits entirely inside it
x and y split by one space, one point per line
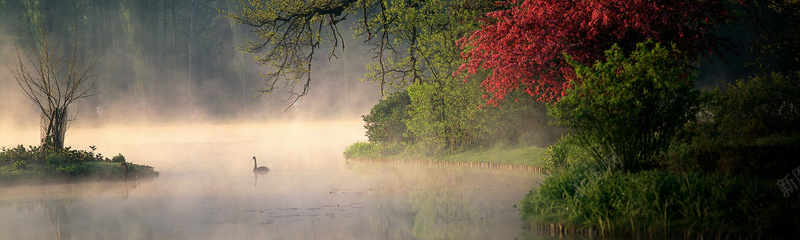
260 170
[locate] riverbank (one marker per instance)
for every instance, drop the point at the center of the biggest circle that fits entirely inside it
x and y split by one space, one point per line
36 166
507 158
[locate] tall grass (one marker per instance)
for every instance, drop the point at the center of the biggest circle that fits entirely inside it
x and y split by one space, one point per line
657 202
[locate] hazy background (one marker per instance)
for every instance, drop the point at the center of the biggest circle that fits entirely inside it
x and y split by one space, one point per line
171 61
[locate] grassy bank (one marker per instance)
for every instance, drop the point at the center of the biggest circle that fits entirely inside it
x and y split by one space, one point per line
521 156
39 166
587 201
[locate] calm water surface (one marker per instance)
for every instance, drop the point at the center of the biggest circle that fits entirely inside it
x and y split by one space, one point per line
207 190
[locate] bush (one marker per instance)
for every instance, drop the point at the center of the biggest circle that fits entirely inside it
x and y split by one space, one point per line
54 158
749 128
19 153
20 165
119 158
630 106
567 151
760 106
385 122
362 150
72 169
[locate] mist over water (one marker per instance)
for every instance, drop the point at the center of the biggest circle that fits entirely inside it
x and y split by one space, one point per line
207 190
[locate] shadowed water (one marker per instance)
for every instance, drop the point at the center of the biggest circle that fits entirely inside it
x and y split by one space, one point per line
207 190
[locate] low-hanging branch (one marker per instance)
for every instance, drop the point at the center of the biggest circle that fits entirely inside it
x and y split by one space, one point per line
289 32
401 34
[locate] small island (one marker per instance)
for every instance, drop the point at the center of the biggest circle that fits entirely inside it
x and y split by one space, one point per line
54 75
39 165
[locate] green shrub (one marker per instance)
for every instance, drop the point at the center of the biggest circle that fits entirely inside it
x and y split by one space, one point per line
630 106
385 122
362 150
760 106
749 128
20 165
54 158
565 152
72 169
119 158
8 156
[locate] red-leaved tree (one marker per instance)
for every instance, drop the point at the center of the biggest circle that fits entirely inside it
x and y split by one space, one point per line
524 46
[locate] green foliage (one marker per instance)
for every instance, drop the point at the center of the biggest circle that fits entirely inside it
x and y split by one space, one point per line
54 159
630 106
749 128
567 151
119 158
663 203
760 106
38 154
43 165
19 165
18 153
417 39
72 169
385 122
362 150
450 116
444 116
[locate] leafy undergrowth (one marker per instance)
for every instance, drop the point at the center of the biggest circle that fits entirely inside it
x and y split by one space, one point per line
41 166
584 200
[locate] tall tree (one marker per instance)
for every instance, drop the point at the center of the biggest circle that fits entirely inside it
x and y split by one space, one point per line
57 76
524 46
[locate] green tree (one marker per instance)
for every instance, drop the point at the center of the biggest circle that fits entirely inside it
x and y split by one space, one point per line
445 115
385 122
630 107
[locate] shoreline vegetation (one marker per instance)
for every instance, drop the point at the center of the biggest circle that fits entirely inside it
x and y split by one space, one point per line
37 165
516 158
671 161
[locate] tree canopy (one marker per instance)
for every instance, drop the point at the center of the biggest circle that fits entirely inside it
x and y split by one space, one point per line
524 46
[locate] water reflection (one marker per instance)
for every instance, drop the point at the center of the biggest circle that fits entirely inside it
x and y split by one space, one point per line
57 211
46 212
444 202
255 174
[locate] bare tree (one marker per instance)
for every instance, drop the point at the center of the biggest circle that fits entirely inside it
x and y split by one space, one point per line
53 76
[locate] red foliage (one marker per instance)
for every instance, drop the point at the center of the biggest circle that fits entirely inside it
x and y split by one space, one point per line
525 45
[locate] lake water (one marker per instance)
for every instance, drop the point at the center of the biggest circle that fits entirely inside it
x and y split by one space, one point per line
207 189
